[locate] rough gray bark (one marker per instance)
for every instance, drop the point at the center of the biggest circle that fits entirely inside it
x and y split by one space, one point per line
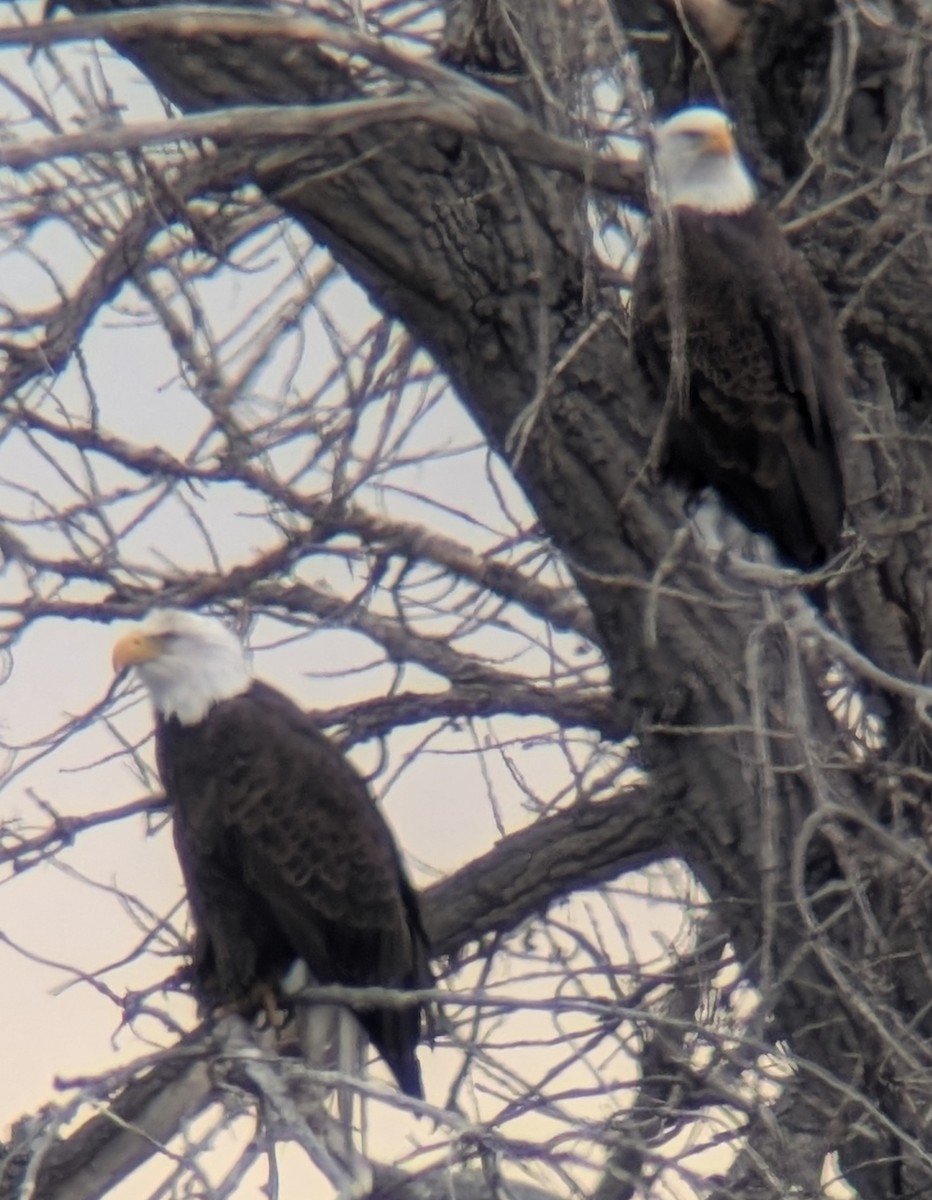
816 862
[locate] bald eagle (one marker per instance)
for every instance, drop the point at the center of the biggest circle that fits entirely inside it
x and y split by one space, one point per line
286 859
756 403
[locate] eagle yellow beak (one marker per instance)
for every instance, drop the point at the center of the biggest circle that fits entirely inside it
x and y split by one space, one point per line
719 140
133 649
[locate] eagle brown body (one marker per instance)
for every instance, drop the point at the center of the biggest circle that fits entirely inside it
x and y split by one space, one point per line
759 409
285 856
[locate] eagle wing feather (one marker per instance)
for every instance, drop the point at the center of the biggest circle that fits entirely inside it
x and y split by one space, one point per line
286 856
764 395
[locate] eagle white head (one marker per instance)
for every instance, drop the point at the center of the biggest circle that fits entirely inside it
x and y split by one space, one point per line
187 662
698 165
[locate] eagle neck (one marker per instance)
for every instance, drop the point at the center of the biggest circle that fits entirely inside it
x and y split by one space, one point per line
723 207
190 699
723 188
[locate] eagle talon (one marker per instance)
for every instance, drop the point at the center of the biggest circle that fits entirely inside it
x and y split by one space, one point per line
260 1001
